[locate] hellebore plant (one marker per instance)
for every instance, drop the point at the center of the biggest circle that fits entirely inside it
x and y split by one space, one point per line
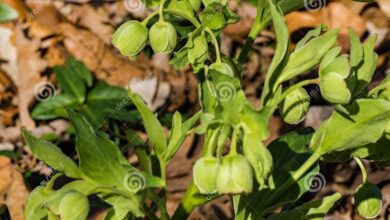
259 178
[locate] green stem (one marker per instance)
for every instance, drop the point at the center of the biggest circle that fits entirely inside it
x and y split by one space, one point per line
211 143
257 27
161 10
216 45
233 145
294 87
362 168
263 20
160 203
174 12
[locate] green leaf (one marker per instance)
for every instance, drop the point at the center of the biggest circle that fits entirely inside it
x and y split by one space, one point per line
308 56
182 6
364 72
7 13
194 52
111 96
100 159
314 210
74 206
365 124
51 155
34 209
311 34
289 152
356 49
80 69
178 133
70 82
280 53
53 108
122 206
153 127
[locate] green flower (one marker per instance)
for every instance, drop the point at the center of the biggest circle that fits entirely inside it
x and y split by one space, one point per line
212 18
205 174
387 131
334 89
235 175
368 200
294 107
163 37
130 38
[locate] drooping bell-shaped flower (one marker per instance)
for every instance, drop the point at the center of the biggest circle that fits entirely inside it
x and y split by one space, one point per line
235 175
163 37
130 38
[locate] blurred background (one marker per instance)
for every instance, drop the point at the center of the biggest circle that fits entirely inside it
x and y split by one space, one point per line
42 48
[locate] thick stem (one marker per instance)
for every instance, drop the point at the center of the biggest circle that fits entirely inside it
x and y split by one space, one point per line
258 25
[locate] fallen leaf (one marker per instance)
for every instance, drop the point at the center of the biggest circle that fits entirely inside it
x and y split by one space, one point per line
30 65
99 58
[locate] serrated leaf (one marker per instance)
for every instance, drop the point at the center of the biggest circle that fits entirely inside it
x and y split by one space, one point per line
51 155
314 210
152 125
365 124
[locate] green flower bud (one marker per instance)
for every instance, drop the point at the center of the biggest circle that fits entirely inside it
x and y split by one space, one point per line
334 88
163 37
195 4
368 200
74 206
294 107
235 175
222 68
205 175
130 38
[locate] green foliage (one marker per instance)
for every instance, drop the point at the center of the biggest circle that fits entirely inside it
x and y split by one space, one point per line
261 178
97 102
7 13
